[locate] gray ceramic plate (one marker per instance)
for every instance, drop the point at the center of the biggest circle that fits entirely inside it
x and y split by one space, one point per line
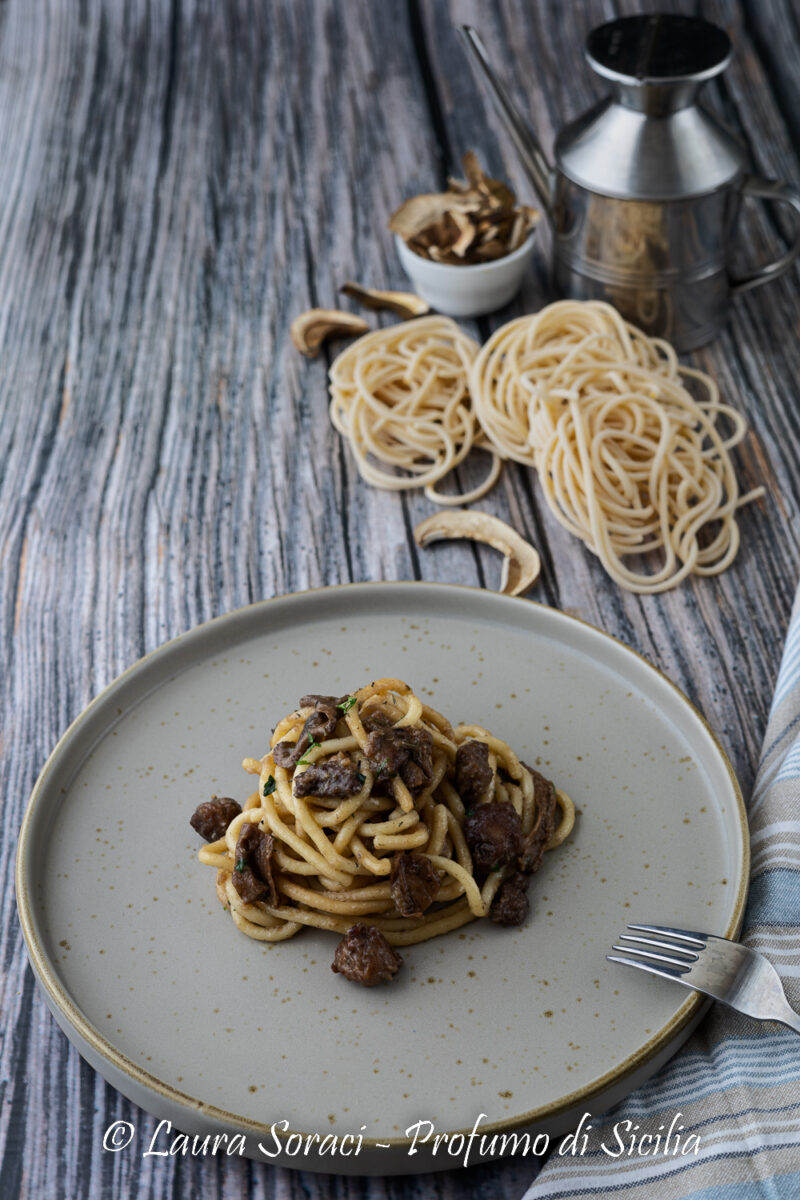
526 1028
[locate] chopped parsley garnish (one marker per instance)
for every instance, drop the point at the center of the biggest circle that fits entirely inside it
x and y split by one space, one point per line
241 863
269 786
382 768
347 704
362 779
301 762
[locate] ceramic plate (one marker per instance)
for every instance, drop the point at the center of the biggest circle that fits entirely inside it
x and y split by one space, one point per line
516 1029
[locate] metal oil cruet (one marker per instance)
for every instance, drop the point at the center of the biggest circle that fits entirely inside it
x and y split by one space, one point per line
646 188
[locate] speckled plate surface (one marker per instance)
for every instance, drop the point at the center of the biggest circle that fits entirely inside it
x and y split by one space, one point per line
531 1027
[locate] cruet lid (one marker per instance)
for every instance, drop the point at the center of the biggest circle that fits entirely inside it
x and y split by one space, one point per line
658 48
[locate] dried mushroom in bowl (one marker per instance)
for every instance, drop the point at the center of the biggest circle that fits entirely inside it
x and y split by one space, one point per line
476 220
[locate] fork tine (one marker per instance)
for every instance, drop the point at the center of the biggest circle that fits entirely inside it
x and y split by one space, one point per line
728 971
661 958
643 966
670 947
690 936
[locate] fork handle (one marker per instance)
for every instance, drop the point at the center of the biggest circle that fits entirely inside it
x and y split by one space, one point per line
790 1018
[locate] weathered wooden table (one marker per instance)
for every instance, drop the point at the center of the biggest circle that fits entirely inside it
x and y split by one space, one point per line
178 179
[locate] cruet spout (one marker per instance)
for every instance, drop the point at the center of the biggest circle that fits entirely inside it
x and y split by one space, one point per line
533 158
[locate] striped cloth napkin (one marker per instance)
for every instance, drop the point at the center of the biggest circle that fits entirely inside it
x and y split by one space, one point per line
736 1082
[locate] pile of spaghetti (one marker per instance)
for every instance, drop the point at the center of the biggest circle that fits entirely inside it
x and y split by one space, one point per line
630 461
375 818
400 396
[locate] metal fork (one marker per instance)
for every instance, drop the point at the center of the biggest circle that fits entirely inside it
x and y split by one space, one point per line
739 977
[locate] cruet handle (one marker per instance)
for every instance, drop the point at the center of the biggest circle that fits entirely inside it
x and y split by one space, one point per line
770 189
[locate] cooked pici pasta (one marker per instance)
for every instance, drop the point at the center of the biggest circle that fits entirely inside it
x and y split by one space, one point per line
374 814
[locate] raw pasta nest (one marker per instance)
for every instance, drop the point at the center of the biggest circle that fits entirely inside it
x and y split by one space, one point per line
400 396
629 460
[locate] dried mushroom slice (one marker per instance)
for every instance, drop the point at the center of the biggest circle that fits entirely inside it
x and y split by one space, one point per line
466 234
312 328
420 213
517 235
472 169
521 564
403 304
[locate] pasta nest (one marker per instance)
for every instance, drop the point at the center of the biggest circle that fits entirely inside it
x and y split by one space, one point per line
629 460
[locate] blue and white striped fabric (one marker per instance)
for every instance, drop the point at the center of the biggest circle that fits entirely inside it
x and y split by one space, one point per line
736 1083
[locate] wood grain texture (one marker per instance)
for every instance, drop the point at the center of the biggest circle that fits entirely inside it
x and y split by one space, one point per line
179 178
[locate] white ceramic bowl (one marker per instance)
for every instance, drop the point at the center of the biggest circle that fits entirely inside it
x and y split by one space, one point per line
470 290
